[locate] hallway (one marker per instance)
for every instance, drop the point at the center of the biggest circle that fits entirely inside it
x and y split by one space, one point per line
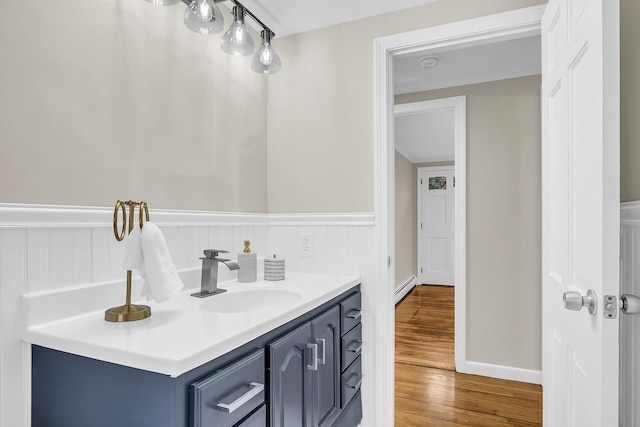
428 392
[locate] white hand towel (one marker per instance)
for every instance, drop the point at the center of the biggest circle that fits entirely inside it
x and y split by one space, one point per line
132 251
162 279
147 252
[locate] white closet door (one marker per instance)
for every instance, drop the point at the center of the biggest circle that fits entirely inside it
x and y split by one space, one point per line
436 225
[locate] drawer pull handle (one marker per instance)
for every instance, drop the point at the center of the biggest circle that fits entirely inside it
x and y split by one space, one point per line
357 348
254 390
354 314
314 357
358 384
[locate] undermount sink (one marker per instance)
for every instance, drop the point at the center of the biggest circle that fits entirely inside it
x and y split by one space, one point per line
239 301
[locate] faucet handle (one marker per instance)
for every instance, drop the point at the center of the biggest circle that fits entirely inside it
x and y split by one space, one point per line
212 253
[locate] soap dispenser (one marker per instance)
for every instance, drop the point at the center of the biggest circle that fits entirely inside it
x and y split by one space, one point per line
248 263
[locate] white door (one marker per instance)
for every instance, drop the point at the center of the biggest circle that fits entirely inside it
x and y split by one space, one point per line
436 225
581 202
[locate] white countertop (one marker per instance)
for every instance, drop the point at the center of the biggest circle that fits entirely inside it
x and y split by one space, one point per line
183 333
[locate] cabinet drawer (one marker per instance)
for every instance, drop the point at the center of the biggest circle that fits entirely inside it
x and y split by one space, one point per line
351 346
351 381
257 419
350 309
228 395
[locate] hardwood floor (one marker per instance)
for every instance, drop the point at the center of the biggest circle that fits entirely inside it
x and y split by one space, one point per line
428 390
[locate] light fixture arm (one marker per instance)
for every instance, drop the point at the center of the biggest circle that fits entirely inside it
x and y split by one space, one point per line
246 11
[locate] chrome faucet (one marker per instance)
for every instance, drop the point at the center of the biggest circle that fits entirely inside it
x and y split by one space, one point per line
209 281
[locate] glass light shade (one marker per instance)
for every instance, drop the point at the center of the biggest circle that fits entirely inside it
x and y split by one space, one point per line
164 2
204 17
237 40
266 60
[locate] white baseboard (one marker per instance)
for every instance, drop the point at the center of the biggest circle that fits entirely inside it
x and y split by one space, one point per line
405 288
503 372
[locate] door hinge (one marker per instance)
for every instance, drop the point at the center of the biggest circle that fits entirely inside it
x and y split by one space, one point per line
388 261
421 270
420 181
420 226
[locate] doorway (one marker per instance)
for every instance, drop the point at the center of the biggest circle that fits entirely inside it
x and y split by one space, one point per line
416 140
482 30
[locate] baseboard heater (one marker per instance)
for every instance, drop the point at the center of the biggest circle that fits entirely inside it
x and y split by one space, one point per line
404 289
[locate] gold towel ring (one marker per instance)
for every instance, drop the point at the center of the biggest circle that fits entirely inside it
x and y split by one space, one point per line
128 312
120 205
143 207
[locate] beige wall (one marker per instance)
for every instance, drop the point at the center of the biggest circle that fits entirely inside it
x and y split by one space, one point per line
118 99
89 112
629 101
320 153
503 219
406 219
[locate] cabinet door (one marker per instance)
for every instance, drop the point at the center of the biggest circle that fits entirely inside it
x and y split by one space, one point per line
325 330
290 385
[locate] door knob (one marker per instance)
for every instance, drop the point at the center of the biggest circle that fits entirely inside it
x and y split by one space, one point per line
574 301
630 304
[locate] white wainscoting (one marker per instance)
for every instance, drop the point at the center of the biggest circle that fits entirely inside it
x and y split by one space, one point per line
50 247
630 325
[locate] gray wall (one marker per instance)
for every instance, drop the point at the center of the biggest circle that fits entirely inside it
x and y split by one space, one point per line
131 104
629 101
118 99
503 219
406 219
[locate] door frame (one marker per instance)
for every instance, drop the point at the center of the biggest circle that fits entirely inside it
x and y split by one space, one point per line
482 30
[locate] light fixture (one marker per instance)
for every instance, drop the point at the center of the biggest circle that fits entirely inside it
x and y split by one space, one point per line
163 2
429 61
204 17
237 40
266 60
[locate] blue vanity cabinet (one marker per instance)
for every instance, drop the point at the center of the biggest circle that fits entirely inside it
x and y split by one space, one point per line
305 374
257 419
291 376
325 331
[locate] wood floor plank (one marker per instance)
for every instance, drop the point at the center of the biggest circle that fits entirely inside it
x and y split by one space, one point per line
507 399
414 413
428 390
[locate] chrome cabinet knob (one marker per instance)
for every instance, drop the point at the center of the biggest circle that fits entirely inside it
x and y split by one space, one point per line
574 301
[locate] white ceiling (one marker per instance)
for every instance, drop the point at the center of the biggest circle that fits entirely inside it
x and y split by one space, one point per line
476 64
426 137
286 17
